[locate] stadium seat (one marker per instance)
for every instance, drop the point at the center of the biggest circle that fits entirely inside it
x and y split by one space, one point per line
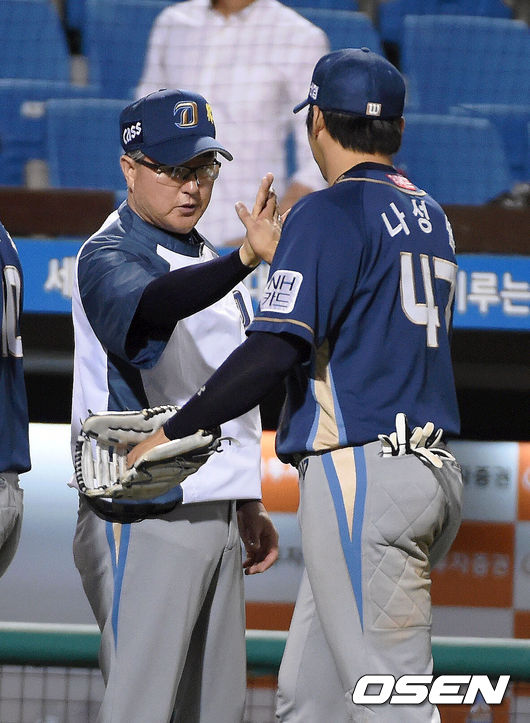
528 154
83 143
32 41
74 13
391 14
115 42
511 121
459 160
22 123
75 16
345 29
450 60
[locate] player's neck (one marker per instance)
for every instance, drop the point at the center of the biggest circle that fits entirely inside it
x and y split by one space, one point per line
340 162
227 7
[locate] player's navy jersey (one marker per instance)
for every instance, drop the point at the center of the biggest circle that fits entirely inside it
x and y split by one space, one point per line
14 444
113 268
365 272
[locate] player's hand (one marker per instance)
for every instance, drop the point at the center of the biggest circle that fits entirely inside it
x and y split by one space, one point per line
263 225
259 536
157 438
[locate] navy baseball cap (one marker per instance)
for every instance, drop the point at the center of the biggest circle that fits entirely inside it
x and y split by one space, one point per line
358 82
170 126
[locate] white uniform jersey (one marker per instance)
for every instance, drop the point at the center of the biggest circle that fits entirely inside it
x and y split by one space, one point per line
113 268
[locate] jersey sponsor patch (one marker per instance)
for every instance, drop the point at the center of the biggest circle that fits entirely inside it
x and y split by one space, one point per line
401 181
281 291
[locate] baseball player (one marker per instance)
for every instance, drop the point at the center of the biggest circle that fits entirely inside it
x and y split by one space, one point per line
155 312
14 442
357 313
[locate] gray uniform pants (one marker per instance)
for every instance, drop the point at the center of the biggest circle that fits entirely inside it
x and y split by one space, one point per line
371 526
11 513
168 597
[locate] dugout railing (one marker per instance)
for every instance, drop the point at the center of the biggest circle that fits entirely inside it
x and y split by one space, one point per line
43 644
49 672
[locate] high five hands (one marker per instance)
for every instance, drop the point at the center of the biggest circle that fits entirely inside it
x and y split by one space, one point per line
263 225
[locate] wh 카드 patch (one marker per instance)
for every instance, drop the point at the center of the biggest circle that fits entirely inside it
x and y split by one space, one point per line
281 291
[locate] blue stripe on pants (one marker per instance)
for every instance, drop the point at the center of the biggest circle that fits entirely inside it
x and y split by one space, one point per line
351 546
118 568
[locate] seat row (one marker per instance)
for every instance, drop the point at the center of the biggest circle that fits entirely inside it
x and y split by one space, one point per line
459 159
467 73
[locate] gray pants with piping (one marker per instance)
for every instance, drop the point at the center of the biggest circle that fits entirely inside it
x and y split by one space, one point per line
372 527
167 595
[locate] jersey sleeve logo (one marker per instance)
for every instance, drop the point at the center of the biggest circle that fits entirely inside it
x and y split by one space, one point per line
281 291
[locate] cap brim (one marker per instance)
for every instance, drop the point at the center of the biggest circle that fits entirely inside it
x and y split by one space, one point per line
176 152
301 105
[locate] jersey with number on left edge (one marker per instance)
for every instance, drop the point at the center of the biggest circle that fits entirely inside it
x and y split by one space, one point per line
365 272
14 443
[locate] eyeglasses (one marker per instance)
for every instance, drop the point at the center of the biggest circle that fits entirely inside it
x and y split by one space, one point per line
176 175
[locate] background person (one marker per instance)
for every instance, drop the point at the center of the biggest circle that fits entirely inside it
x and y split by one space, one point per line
253 60
155 312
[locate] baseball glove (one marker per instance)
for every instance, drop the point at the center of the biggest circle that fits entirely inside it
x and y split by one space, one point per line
421 441
100 460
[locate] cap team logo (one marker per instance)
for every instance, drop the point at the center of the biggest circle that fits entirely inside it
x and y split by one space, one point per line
373 109
313 91
209 113
186 114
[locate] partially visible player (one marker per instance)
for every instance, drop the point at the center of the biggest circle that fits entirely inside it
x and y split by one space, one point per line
357 312
14 441
155 312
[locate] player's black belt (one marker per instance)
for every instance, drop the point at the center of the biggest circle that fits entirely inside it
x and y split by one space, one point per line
297 457
114 511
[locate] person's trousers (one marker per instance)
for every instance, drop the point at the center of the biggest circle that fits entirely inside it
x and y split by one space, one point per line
11 514
370 526
168 597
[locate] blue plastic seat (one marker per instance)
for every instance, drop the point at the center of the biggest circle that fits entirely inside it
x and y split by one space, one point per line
511 121
345 29
22 122
528 154
449 60
76 16
83 143
115 42
391 14
458 160
32 41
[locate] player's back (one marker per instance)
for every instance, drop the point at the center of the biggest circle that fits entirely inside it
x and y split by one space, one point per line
403 296
385 278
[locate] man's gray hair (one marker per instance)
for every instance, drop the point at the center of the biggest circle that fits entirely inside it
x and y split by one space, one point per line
136 155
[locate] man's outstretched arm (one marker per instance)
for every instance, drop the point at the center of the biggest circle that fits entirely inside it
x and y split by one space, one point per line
241 382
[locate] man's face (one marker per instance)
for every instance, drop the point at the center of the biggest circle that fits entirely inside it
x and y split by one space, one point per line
169 203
